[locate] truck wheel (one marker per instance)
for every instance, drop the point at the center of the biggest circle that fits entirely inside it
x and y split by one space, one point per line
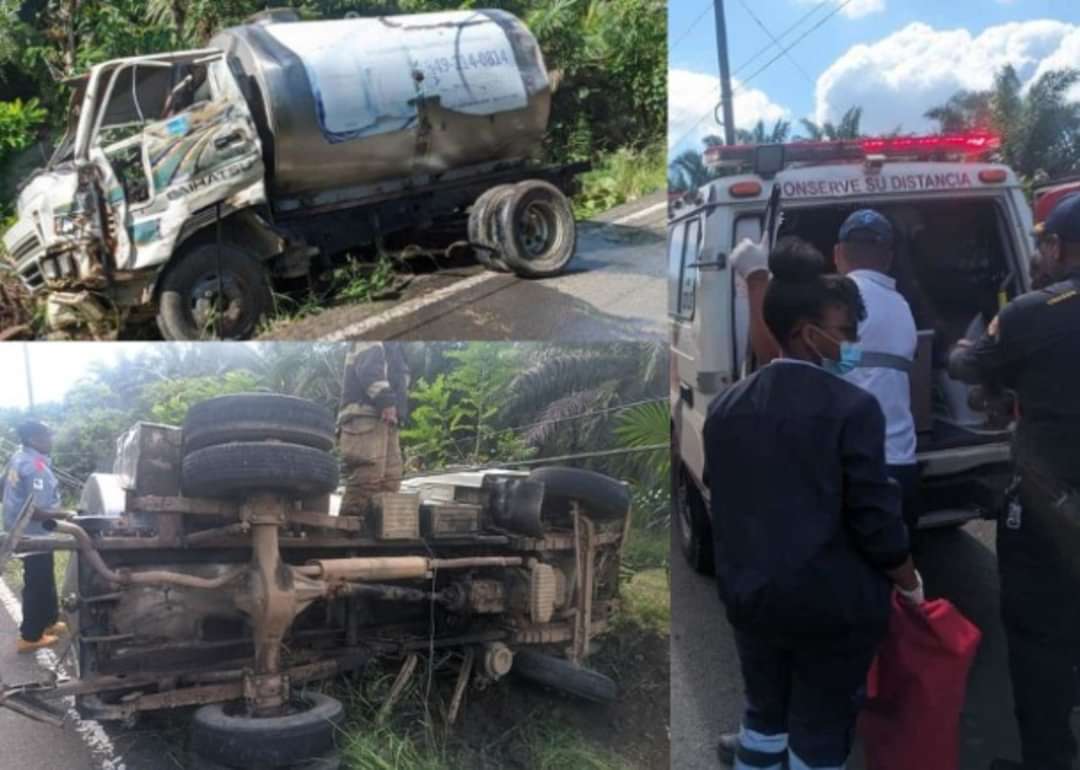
602 496
222 733
230 470
326 762
562 675
538 232
258 417
481 230
692 522
187 307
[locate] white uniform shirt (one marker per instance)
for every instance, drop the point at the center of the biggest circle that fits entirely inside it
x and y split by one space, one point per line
889 328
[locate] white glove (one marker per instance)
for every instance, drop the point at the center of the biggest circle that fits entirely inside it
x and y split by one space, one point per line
748 258
915 596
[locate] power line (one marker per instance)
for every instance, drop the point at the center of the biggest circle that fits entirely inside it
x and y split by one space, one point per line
769 63
778 44
692 27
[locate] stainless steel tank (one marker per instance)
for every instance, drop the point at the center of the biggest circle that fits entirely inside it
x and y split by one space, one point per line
359 101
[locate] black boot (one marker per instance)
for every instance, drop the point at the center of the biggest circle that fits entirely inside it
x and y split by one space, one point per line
726 748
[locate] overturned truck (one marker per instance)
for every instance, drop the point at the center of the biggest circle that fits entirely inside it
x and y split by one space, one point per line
211 569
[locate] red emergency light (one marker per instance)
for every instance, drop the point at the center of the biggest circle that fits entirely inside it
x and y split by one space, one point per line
768 159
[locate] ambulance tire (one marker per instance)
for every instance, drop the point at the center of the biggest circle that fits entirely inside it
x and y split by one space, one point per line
562 675
193 276
221 733
480 228
243 468
258 417
692 524
537 233
602 496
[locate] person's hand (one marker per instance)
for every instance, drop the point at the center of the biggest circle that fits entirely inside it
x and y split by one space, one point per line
914 596
389 415
749 258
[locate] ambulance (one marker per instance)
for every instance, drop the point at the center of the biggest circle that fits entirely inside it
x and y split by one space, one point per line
962 228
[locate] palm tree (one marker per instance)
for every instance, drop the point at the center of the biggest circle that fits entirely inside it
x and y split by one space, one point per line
688 171
1040 130
758 135
849 127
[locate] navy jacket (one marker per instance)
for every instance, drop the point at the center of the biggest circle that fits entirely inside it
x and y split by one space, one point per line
805 519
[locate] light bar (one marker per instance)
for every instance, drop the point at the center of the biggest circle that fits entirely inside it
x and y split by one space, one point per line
968 145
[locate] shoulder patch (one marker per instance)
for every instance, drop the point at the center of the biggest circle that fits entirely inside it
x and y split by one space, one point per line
39 465
1059 298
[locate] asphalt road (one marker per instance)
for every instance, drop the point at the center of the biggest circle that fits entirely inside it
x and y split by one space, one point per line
706 688
613 289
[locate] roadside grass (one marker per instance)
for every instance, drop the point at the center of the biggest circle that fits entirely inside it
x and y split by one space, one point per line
621 176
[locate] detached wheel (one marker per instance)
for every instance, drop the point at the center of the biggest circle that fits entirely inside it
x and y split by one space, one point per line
223 734
190 306
258 417
481 229
562 675
602 496
692 521
232 470
537 229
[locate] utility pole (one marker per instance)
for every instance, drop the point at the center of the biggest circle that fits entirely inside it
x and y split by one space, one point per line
29 379
725 73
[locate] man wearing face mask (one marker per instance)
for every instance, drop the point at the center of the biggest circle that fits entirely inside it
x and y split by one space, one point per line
887 340
1033 349
808 538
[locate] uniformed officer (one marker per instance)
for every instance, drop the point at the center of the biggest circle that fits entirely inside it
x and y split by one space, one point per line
374 403
29 474
1033 349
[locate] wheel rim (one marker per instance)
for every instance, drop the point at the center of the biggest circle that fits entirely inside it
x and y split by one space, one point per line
203 303
682 504
536 228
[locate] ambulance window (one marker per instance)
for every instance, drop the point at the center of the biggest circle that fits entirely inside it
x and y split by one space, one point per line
676 242
747 227
691 255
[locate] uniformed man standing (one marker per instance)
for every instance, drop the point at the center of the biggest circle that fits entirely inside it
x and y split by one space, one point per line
374 403
29 474
1033 349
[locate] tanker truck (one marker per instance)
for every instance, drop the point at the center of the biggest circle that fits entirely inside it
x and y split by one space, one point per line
189 185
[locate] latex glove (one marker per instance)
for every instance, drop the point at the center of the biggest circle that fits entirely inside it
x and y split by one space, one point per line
748 258
916 595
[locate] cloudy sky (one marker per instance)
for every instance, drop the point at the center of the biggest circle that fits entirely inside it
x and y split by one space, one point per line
893 58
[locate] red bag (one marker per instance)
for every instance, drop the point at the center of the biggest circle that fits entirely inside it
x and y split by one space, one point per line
916 688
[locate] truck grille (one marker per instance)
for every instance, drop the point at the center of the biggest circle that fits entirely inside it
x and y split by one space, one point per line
26 263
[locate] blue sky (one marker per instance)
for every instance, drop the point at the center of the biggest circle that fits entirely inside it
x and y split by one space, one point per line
895 58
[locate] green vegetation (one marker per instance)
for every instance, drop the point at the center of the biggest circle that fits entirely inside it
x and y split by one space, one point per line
622 176
13 572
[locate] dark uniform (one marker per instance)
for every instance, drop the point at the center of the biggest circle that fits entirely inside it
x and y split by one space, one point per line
806 524
1035 352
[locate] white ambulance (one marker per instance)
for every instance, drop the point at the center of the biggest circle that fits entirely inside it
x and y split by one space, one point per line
962 242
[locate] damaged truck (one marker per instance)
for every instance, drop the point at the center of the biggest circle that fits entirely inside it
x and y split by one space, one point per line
211 570
190 185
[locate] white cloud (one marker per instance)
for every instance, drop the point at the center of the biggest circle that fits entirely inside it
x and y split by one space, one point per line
856 9
692 95
896 79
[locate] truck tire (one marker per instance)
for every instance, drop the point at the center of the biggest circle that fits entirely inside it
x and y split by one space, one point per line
258 417
231 470
219 733
602 496
481 221
562 675
538 234
691 521
189 291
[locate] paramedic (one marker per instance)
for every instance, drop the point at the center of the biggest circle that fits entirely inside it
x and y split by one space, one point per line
807 529
1033 349
374 403
28 474
887 335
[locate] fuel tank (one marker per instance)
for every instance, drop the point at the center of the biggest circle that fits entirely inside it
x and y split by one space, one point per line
359 101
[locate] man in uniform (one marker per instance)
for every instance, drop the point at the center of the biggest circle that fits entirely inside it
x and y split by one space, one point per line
374 403
1033 349
29 475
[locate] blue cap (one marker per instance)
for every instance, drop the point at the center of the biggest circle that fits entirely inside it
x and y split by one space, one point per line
866 225
1064 219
